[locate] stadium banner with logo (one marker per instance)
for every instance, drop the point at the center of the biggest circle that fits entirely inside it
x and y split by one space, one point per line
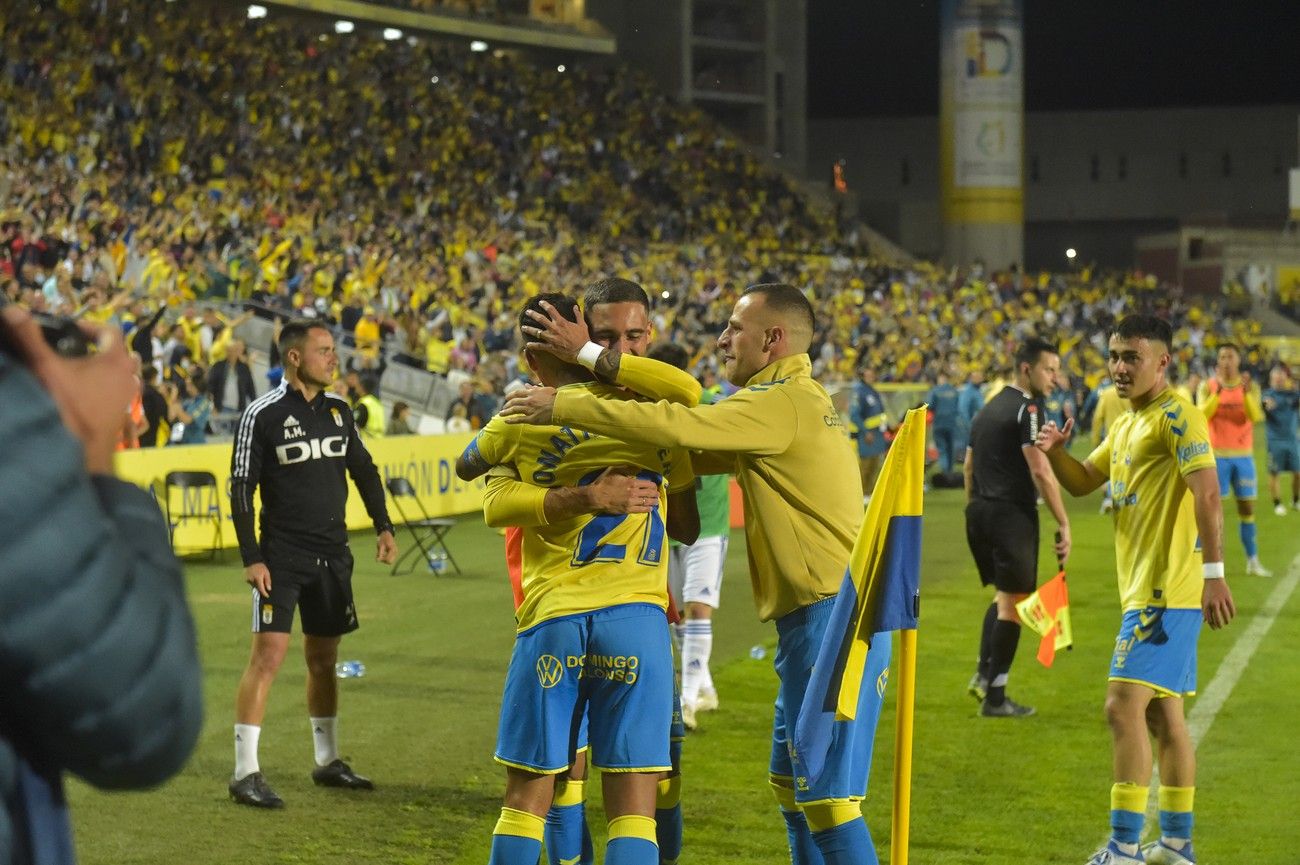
428 462
880 593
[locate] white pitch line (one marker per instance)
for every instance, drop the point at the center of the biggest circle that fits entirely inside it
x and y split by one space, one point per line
1212 699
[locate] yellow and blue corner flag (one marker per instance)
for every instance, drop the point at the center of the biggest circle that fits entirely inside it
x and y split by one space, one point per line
880 593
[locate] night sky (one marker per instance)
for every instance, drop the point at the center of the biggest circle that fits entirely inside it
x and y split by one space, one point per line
881 57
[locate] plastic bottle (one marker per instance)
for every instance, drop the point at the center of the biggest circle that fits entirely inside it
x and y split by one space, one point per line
437 562
758 653
350 669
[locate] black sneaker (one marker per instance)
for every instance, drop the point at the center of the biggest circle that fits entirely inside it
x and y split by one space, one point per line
1009 708
340 774
978 687
253 790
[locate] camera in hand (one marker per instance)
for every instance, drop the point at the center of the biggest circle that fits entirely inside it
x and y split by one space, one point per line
61 334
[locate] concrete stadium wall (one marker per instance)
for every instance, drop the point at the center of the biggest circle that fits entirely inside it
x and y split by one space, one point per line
1116 175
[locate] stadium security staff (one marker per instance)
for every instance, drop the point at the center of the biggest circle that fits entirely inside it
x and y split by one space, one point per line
295 444
1005 475
785 441
101 674
1169 558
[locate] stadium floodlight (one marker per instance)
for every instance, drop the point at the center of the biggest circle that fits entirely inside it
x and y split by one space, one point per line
665 294
1071 253
559 68
392 34
478 46
256 11
344 26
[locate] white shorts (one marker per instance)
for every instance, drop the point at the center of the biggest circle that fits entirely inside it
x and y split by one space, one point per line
695 572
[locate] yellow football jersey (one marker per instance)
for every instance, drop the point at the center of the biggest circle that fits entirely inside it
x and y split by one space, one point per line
1146 455
595 560
795 464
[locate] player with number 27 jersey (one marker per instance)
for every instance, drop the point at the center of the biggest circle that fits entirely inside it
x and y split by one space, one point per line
592 561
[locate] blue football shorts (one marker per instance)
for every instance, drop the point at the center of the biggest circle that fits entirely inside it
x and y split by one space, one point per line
1283 457
1156 647
1238 475
848 762
615 666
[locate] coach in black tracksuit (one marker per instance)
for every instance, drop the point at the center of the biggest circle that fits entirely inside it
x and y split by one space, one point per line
1005 475
297 444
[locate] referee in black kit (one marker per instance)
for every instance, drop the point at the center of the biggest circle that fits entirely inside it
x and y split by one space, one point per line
297 444
1005 476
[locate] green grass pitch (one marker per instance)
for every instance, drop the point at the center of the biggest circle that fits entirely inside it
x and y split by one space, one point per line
422 723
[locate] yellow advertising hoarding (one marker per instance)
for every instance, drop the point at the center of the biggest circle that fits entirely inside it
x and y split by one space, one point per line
428 462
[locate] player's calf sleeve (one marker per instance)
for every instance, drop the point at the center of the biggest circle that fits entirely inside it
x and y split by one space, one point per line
517 838
1248 534
840 833
1128 804
567 838
803 850
1176 812
632 841
668 819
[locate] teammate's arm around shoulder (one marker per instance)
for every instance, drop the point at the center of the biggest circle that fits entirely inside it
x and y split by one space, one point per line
1217 605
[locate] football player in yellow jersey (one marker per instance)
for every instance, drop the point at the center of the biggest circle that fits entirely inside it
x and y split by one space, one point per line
797 469
1232 405
1158 459
592 630
616 319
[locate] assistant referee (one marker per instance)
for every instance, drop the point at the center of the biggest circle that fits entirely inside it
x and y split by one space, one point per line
1005 476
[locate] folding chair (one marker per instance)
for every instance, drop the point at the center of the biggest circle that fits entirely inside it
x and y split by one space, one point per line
429 533
199 500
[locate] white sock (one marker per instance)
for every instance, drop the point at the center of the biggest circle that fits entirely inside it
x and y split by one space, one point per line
324 735
697 644
246 736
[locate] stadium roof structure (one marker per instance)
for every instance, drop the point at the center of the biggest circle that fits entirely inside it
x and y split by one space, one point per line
584 35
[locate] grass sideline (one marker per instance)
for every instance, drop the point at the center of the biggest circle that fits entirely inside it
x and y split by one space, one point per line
422 723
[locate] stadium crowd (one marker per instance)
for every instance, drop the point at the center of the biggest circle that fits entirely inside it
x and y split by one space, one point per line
415 194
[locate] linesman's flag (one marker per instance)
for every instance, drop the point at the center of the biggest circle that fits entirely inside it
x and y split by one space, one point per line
1047 613
879 594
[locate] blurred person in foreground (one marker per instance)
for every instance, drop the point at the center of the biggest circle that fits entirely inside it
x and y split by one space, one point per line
1169 558
102 676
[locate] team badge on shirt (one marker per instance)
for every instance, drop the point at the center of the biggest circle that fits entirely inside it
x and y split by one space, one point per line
338 418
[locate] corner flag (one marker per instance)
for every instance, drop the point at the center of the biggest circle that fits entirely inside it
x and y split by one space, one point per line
879 594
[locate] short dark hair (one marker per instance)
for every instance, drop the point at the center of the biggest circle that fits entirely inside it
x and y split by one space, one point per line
786 300
368 381
1140 326
670 353
1231 345
294 333
1033 348
614 290
563 304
